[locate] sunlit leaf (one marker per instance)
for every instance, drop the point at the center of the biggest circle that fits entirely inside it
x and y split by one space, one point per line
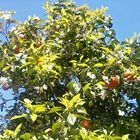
54 109
86 87
18 129
33 117
71 119
39 108
82 65
26 136
125 137
19 116
98 65
65 102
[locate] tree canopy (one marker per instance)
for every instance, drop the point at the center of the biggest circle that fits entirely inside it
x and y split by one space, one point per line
71 79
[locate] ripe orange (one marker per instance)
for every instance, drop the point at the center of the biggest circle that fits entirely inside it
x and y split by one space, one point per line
130 75
85 123
18 50
115 80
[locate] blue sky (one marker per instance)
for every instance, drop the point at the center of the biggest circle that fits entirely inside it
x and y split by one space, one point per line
125 13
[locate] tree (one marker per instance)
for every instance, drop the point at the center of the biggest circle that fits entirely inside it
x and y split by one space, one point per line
70 76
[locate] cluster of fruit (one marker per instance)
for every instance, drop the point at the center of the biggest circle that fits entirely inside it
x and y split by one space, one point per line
130 76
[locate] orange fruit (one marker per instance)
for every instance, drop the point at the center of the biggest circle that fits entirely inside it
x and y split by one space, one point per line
115 80
85 123
130 75
18 50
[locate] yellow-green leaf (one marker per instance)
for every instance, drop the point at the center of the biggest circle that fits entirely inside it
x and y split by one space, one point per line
98 65
125 137
39 108
19 116
54 109
33 117
18 129
74 99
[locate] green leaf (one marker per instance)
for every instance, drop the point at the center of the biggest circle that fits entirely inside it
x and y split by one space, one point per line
128 50
18 129
54 72
86 87
73 61
74 87
39 48
26 136
8 133
83 134
56 127
111 60
98 65
105 49
117 47
54 109
27 104
2 63
81 57
26 64
82 110
19 116
80 102
100 84
91 103
70 85
74 99
33 117
38 109
125 137
32 45
71 119
92 136
82 65
5 68
65 102
47 130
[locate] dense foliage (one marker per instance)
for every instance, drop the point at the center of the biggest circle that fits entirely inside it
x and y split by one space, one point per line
71 78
